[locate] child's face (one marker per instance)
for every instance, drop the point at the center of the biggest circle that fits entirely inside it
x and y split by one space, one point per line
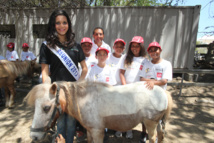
154 52
101 56
135 48
25 49
10 49
86 47
118 48
61 25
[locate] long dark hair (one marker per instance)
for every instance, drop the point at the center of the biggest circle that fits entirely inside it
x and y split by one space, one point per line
130 55
52 36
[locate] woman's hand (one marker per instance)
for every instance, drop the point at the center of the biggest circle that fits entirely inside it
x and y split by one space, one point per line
60 139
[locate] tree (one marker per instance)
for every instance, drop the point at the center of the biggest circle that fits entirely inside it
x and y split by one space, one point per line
211 28
133 2
4 4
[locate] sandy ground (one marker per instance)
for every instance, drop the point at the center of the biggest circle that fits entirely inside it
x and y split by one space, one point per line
190 121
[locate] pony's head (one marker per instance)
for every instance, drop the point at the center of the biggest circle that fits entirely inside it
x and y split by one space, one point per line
43 97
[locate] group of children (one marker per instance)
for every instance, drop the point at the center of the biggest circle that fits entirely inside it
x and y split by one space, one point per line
118 69
11 54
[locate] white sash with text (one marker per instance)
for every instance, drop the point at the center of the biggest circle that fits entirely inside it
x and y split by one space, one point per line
66 60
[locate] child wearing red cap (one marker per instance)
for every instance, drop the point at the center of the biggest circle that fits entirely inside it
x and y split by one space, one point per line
155 72
131 65
90 59
11 54
26 54
115 58
101 72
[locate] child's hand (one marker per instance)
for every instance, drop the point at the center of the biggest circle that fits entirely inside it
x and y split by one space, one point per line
149 84
60 139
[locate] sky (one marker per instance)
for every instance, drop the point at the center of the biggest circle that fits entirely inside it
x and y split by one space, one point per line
207 10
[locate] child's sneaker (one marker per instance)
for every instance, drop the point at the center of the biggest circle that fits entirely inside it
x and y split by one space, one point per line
129 134
80 136
143 137
118 134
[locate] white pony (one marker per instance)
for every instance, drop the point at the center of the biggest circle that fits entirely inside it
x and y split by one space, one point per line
97 106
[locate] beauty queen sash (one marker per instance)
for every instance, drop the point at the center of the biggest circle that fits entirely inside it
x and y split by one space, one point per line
66 60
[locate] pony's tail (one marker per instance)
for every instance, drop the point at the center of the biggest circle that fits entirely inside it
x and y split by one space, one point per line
162 122
169 108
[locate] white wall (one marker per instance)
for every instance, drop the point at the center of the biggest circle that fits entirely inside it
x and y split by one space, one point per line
175 28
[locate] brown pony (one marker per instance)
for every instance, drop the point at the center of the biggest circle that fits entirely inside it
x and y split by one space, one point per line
97 106
9 71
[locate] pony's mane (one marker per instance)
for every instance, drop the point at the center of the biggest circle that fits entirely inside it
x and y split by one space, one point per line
75 90
37 92
80 87
17 67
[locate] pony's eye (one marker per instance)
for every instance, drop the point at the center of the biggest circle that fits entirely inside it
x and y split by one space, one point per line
46 109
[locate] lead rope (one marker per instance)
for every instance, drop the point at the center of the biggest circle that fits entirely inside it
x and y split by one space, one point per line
59 109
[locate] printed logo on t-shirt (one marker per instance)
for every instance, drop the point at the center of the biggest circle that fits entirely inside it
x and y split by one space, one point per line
147 70
141 67
97 76
107 79
27 57
11 57
92 65
159 75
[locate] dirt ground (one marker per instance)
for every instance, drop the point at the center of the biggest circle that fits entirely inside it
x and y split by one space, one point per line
191 118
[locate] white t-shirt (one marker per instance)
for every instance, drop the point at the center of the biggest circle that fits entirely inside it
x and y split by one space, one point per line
27 56
90 62
132 71
162 70
11 56
102 75
94 47
2 57
114 63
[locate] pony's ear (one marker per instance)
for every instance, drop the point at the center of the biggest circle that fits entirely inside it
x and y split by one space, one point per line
53 90
31 97
48 80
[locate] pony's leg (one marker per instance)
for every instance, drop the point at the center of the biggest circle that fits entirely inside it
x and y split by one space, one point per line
160 131
89 137
151 128
12 96
97 135
6 97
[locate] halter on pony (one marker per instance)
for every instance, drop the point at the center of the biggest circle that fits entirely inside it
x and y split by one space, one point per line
51 123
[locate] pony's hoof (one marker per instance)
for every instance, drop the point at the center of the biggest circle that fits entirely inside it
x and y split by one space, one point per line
11 106
6 105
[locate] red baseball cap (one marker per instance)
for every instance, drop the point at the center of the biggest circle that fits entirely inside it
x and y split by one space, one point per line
137 39
25 45
120 40
154 44
101 48
86 39
10 45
